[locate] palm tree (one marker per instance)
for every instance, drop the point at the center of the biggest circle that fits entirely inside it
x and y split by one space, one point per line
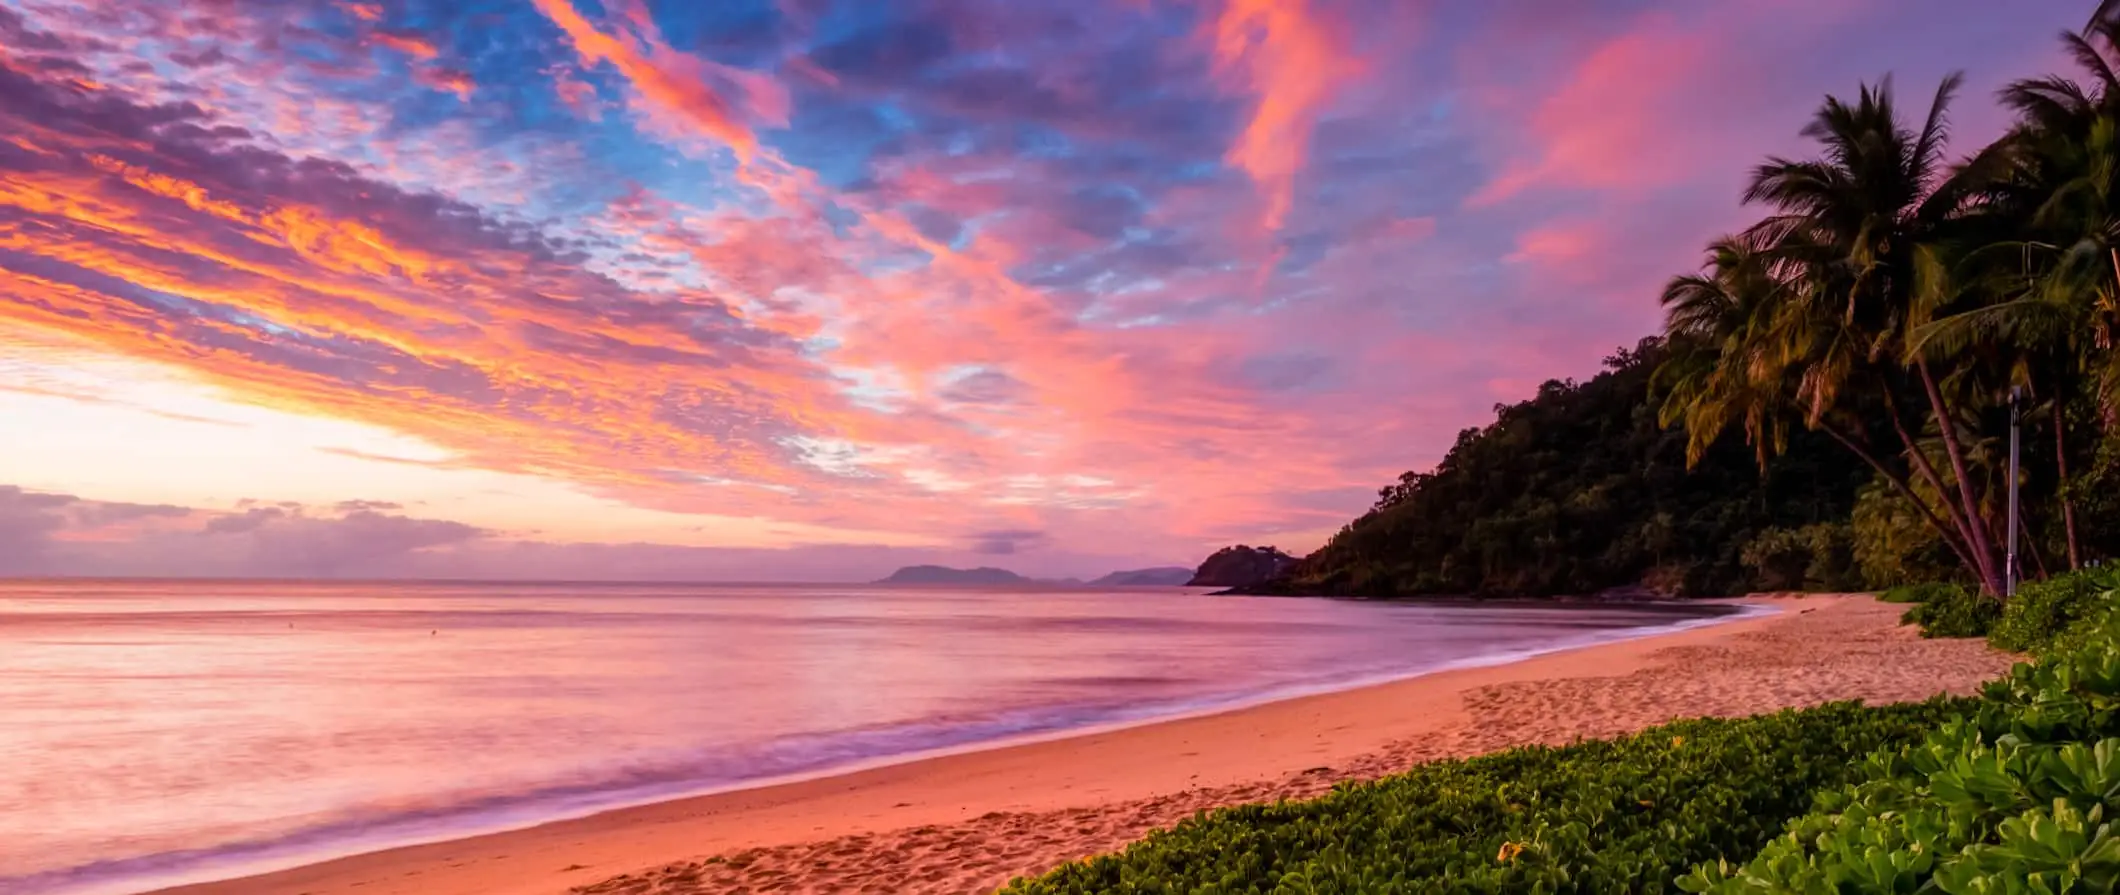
2054 272
1719 371
1729 329
1846 237
1891 296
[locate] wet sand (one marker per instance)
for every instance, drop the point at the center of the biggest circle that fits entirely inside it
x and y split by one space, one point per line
971 822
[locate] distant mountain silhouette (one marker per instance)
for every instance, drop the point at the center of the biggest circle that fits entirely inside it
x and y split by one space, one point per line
947 575
1161 576
1241 566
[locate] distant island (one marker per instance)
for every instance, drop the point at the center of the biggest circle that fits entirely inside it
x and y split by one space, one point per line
1242 566
1161 576
947 575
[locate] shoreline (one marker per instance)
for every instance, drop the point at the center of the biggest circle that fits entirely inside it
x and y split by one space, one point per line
186 872
1218 755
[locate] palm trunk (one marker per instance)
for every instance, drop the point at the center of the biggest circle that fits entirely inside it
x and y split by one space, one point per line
1899 482
2068 507
1951 450
2031 546
1980 562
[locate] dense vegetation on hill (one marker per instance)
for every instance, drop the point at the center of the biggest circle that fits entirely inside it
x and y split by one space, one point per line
1579 489
1867 344
1241 566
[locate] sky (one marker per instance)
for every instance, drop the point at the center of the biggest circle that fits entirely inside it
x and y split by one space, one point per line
771 290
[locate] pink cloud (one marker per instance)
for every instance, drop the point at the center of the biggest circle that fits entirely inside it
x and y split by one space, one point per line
681 91
1670 96
1606 127
1556 244
447 80
1024 295
407 42
578 96
1292 60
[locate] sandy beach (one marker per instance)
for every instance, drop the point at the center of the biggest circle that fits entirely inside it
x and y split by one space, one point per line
969 823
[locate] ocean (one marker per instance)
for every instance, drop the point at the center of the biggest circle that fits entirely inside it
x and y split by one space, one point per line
159 732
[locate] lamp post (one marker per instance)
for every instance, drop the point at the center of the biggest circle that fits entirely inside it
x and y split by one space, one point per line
2009 567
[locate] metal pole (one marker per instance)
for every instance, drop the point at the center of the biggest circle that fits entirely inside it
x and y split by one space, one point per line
2010 575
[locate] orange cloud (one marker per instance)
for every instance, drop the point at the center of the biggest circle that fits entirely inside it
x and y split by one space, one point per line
820 359
490 315
1287 56
447 80
407 42
675 84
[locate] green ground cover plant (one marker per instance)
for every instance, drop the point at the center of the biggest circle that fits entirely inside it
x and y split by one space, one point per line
1952 610
2016 797
2045 610
1628 814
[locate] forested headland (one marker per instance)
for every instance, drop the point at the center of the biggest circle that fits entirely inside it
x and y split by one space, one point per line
1829 405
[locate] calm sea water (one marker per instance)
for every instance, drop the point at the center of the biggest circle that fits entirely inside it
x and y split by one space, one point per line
161 732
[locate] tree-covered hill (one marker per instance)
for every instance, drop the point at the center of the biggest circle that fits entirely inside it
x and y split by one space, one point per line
1580 489
1832 401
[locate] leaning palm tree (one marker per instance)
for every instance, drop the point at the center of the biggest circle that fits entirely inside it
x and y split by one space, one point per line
1719 371
1846 233
1736 341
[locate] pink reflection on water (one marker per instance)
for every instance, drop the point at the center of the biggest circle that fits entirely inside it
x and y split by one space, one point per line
159 731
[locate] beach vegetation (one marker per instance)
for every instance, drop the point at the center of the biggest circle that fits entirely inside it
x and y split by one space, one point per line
2016 796
1953 610
1624 815
1917 593
2043 611
1816 557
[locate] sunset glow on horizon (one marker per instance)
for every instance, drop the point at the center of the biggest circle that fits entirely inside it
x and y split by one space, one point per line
804 289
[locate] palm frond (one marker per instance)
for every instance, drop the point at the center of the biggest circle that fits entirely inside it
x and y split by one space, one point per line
1927 156
2088 57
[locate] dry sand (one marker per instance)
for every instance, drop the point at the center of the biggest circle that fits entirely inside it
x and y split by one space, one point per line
969 823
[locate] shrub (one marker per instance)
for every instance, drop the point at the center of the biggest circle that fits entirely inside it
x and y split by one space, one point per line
2012 800
1918 593
1778 559
1953 610
2043 610
1618 815
1816 557
1893 542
